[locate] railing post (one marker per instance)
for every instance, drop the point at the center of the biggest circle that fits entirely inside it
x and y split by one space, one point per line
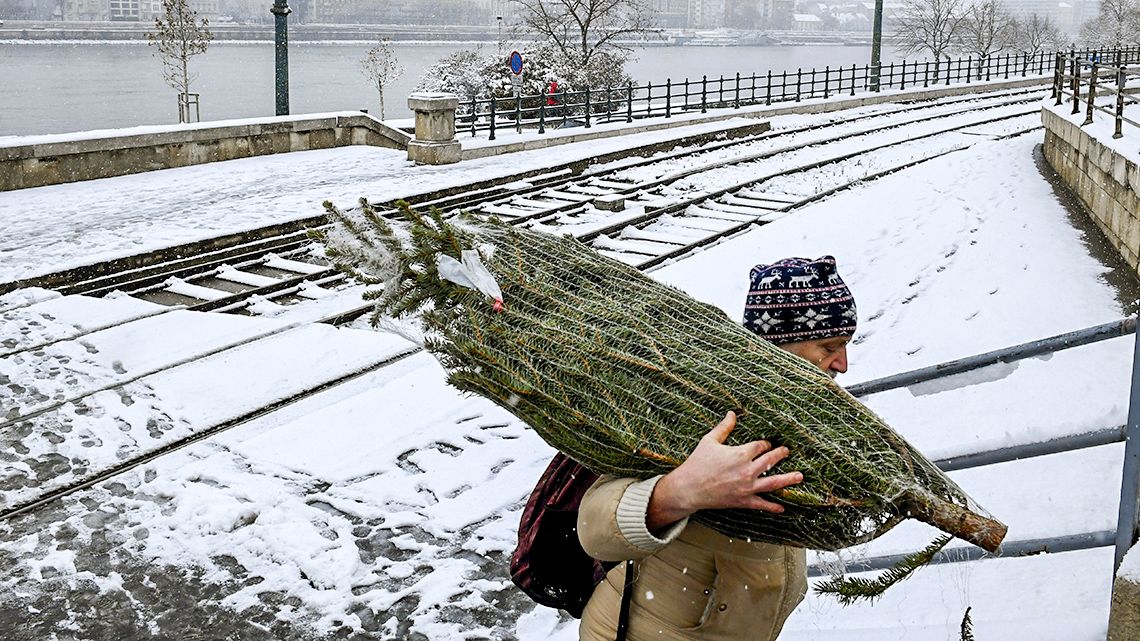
1092 94
493 101
853 79
1121 79
518 113
668 96
629 101
648 99
902 82
686 94
826 79
737 106
720 92
799 80
564 106
587 107
926 75
970 69
1056 78
811 92
704 94
1076 86
473 108
1128 519
1060 62
752 101
948 70
609 103
542 112
768 89
1006 76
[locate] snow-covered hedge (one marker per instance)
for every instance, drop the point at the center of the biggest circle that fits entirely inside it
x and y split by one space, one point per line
482 73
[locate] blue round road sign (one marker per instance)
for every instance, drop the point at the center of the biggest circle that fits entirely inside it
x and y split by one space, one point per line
516 62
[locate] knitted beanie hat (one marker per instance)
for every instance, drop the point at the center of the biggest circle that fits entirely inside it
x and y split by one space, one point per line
797 299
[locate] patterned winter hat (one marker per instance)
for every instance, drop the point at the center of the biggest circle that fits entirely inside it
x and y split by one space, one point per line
797 299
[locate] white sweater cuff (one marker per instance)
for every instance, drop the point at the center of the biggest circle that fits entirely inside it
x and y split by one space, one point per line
632 510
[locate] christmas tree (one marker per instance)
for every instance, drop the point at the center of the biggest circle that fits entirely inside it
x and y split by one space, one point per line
625 374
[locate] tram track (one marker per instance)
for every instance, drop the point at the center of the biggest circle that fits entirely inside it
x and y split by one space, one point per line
727 226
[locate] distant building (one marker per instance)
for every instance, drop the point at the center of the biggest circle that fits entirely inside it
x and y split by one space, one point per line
86 10
29 9
421 12
706 14
806 22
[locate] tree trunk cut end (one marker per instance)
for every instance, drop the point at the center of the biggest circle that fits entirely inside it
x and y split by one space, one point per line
983 532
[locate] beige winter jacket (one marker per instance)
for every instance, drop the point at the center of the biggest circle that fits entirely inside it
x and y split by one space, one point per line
692 583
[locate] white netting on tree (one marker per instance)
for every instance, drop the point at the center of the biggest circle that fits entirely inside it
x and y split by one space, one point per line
625 375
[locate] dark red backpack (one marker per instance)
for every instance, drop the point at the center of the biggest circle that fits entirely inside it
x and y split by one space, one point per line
549 564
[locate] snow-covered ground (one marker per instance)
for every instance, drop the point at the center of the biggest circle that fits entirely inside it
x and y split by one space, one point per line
386 506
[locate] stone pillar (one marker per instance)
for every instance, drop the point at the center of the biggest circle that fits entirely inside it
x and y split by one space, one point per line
435 142
1124 620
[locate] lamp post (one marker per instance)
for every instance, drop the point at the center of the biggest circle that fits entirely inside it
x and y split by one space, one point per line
281 11
876 45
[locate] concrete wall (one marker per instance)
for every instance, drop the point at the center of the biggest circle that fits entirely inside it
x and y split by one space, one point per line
1106 181
51 163
1124 617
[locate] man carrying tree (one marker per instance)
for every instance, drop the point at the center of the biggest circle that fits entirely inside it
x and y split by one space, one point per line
691 582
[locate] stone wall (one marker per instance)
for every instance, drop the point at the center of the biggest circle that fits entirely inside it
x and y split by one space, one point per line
1106 180
61 161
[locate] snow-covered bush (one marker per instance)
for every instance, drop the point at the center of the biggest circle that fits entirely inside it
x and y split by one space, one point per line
480 73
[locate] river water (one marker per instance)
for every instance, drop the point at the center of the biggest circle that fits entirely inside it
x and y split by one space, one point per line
48 87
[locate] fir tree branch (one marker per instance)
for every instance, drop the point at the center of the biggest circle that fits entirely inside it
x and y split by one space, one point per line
848 590
967 626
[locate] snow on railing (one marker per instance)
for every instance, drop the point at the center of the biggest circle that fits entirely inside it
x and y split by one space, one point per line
584 108
1104 86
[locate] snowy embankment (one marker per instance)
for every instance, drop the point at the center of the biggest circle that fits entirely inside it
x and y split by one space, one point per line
386 506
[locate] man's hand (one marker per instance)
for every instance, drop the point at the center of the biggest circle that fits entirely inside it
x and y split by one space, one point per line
719 476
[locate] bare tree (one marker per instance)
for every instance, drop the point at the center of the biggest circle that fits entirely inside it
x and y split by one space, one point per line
179 34
380 67
580 28
986 28
1117 24
1038 33
929 25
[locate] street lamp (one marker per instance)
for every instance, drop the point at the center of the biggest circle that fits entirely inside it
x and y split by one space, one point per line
876 45
281 11
499 19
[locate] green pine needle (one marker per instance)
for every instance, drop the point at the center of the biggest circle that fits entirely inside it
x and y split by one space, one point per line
967 627
848 590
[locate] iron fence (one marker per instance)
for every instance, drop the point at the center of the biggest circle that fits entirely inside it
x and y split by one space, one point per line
590 106
1099 84
1128 518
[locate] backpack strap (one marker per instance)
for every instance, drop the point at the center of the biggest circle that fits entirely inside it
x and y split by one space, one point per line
626 597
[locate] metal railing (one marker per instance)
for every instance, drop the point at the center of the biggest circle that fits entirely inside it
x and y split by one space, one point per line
591 106
1099 84
1128 517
